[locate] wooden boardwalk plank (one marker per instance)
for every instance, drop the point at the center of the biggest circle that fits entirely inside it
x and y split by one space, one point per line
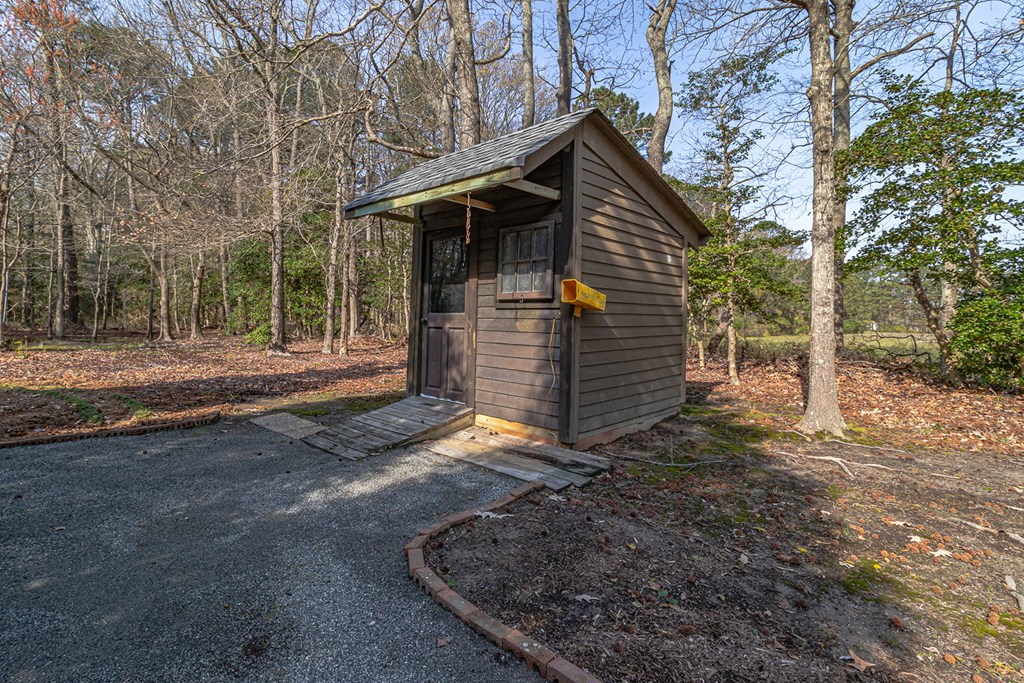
406 415
337 449
437 406
563 458
457 453
394 425
357 439
382 426
520 466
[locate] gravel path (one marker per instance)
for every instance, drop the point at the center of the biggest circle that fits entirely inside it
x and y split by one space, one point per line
228 553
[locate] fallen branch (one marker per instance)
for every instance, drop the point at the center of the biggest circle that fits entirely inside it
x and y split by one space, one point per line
843 463
990 530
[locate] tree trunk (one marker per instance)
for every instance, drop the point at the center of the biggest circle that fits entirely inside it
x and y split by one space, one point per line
933 316
165 296
842 31
105 290
61 218
657 30
225 295
337 227
352 283
730 338
277 332
197 297
563 94
346 289
468 86
822 412
50 294
97 292
5 216
950 295
529 85
28 318
149 309
448 95
175 308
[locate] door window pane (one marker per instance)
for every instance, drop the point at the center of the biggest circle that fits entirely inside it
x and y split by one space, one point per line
447 275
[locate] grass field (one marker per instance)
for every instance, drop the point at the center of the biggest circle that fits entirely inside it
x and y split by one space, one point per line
909 347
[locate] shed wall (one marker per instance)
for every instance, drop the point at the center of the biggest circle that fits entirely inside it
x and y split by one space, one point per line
631 355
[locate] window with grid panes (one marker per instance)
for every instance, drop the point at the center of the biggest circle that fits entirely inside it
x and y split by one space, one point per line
524 261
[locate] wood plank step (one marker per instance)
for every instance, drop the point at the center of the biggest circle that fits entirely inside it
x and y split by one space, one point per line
380 425
331 447
550 480
385 439
356 440
410 415
554 483
589 458
561 458
436 405
422 418
518 462
476 459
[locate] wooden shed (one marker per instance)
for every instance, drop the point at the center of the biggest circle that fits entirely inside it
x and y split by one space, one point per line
498 228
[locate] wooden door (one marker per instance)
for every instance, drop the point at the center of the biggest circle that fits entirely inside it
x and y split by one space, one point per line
443 338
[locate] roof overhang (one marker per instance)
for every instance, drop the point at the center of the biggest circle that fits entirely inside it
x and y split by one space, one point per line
450 190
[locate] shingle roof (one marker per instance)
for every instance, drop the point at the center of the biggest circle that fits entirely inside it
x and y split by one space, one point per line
508 151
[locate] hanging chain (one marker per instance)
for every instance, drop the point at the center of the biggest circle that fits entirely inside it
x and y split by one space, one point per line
469 214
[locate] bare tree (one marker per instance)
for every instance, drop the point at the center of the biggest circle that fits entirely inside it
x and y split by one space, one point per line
563 94
529 84
657 31
465 60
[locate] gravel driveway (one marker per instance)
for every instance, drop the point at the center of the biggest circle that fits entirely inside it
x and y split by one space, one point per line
228 553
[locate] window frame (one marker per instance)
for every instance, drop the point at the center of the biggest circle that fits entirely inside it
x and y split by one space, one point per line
549 259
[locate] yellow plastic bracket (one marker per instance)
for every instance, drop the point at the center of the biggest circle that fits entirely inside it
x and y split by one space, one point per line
582 297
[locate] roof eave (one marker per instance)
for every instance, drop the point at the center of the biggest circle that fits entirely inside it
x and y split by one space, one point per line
475 184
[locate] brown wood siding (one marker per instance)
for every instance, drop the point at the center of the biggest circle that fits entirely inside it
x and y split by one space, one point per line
517 344
631 355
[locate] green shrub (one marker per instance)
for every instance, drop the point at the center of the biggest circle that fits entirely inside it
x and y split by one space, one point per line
988 340
260 335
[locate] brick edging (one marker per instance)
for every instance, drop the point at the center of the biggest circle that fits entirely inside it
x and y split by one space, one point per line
548 664
188 423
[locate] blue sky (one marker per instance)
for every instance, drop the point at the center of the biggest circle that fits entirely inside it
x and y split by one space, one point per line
619 52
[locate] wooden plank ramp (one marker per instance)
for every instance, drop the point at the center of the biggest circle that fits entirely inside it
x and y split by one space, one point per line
520 458
410 420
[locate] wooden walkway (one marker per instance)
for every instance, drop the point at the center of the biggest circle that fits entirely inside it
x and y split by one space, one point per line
520 458
446 429
407 421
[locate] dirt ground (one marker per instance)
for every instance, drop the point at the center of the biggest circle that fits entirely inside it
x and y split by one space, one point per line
890 404
79 386
770 560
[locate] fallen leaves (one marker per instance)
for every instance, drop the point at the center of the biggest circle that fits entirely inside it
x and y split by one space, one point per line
906 408
183 376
